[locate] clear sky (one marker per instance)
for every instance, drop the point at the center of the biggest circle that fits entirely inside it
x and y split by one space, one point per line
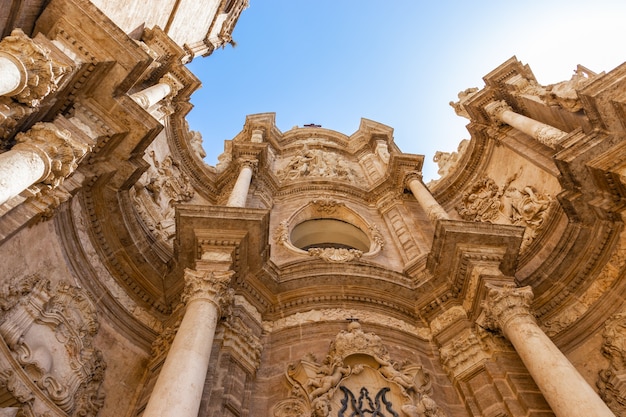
398 62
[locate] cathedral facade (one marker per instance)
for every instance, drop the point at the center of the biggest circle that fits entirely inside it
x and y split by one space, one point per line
309 273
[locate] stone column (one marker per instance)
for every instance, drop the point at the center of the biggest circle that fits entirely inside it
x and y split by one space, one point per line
424 197
546 134
178 389
13 73
167 86
239 194
42 154
27 71
508 309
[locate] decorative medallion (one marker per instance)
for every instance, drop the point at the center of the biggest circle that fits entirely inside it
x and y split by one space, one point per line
357 378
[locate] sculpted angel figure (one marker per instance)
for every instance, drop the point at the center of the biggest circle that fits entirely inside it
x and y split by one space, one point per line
328 378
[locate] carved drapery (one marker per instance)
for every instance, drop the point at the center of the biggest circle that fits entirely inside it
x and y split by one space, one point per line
357 377
50 332
520 206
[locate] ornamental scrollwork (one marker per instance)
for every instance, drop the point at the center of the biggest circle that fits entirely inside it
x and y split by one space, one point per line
520 206
357 377
50 333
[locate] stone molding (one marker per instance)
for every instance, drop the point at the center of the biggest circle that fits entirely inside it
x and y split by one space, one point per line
212 286
504 303
243 344
60 152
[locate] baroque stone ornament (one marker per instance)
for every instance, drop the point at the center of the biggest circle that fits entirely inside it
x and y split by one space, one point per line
161 187
523 206
41 74
358 377
336 254
208 285
447 161
565 93
57 147
612 380
50 333
506 302
317 163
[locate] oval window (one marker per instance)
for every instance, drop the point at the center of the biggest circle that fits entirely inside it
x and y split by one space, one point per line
329 233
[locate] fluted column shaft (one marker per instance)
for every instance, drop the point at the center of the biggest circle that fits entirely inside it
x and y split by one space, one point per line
425 198
239 194
546 134
178 389
567 392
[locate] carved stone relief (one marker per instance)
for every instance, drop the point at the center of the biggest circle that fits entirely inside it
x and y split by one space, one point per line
519 206
157 192
612 381
564 94
447 161
358 377
336 254
318 163
49 332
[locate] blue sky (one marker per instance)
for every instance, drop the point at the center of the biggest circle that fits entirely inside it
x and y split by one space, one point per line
398 62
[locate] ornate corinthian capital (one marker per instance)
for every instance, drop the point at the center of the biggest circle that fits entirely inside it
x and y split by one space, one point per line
504 303
208 285
495 110
57 148
41 75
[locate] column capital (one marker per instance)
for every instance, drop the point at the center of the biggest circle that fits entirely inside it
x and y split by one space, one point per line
495 110
412 175
249 162
506 302
59 151
212 286
173 82
41 75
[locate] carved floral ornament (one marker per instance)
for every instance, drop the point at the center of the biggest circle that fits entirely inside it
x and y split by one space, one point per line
50 331
520 206
358 377
333 211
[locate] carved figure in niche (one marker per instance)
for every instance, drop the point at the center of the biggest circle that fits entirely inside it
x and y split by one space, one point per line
157 192
358 377
50 334
525 206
